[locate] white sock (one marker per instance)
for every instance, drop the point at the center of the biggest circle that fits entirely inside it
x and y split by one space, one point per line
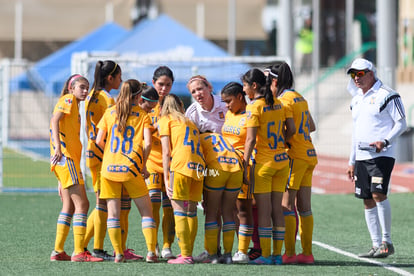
384 215
373 224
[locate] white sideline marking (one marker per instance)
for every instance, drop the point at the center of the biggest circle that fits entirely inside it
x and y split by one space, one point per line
351 255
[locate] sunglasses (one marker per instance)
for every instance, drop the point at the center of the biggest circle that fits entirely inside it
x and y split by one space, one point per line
358 74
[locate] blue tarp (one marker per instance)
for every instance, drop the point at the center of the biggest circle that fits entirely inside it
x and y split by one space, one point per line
51 72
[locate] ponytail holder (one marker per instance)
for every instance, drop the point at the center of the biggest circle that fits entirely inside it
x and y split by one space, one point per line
72 79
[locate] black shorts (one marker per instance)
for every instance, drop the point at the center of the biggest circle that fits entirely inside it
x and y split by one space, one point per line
373 175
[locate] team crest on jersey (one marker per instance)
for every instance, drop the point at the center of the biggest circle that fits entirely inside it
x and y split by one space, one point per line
242 121
68 101
221 115
372 101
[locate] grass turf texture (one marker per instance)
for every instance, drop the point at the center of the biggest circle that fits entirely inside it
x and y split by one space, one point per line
28 224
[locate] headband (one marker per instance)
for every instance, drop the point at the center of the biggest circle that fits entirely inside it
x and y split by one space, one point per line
148 99
72 79
113 70
271 73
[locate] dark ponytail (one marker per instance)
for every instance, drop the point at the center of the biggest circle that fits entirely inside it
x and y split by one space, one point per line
103 69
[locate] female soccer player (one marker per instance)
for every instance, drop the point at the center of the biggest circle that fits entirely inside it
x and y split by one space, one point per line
183 165
223 177
162 81
123 130
302 161
66 150
266 134
107 77
235 130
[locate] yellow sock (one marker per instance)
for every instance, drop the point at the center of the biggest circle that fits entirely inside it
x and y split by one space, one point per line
229 228
148 229
210 237
306 231
100 226
155 196
193 225
62 230
290 239
278 238
168 227
114 232
125 209
79 229
265 236
90 225
183 233
245 236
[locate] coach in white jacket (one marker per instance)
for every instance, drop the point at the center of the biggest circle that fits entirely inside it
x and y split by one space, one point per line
378 119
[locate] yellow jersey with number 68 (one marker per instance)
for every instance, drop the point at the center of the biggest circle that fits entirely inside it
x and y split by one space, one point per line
300 145
95 108
186 152
123 152
270 143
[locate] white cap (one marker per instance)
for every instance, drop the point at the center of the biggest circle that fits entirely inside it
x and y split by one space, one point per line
361 64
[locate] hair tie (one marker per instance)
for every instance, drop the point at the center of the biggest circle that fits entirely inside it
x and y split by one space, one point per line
72 79
148 99
271 73
113 70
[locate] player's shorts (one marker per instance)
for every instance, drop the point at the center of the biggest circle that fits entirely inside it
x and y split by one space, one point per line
185 187
267 180
219 180
112 189
373 175
246 190
69 173
300 174
155 181
96 177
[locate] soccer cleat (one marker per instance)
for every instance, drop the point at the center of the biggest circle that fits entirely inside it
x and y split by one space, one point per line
99 253
166 253
62 256
131 256
157 250
240 258
277 259
202 257
305 259
369 254
85 257
254 253
262 261
119 258
289 259
151 257
226 258
181 260
384 250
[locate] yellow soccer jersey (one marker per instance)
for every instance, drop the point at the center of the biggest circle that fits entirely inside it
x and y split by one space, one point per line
154 163
300 145
234 129
218 153
95 108
186 152
69 128
123 153
270 144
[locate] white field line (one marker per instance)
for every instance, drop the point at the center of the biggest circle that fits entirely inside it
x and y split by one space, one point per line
372 261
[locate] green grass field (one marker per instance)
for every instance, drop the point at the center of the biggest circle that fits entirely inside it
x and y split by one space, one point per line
28 223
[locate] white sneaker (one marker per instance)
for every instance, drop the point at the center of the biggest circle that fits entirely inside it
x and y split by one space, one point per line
240 258
202 257
166 253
